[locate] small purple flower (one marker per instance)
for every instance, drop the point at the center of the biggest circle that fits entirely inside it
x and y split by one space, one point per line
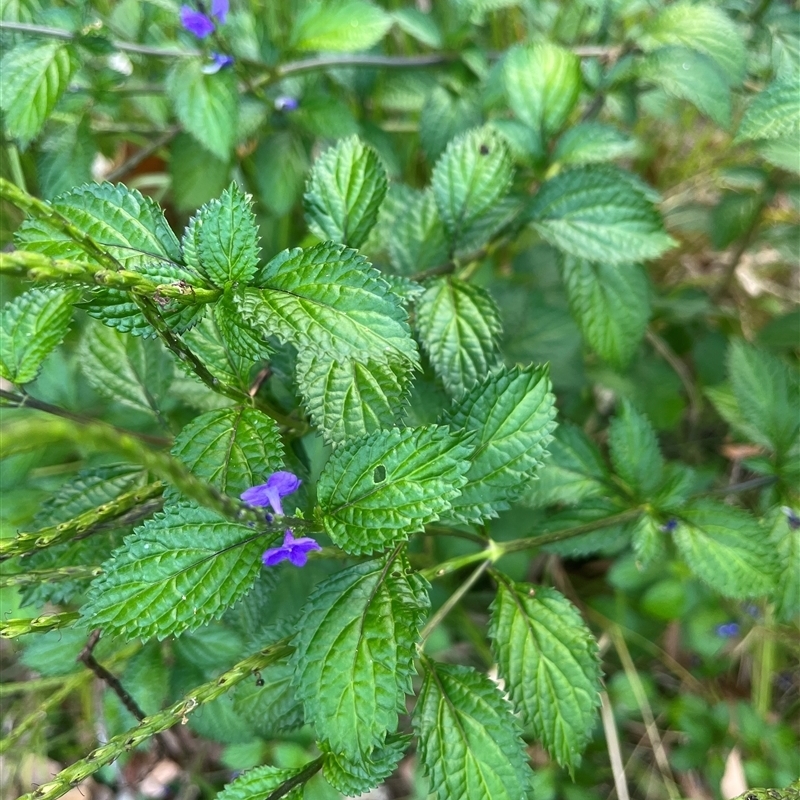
791 518
218 61
278 485
286 103
201 25
669 526
728 631
294 550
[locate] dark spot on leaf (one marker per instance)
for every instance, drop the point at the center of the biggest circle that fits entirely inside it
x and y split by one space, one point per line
484 149
379 475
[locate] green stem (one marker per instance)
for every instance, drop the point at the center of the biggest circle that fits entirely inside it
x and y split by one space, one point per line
162 721
12 628
310 769
38 267
454 598
764 666
79 526
15 164
49 575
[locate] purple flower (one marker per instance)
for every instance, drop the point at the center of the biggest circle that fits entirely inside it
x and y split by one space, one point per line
294 550
791 517
201 25
669 526
278 485
286 103
728 630
218 62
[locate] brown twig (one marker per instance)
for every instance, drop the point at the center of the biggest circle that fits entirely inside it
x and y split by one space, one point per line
140 155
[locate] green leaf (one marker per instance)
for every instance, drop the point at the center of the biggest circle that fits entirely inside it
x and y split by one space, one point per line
689 75
129 370
767 394
513 415
257 783
354 656
344 193
469 181
459 325
635 452
649 542
329 299
417 240
131 227
237 336
542 83
271 707
280 166
611 304
727 548
35 76
178 571
419 25
574 472
66 157
197 174
701 27
550 663
469 741
608 540
600 213
444 116
226 237
785 539
354 777
347 398
378 490
772 113
207 342
339 26
232 448
591 142
31 327
206 105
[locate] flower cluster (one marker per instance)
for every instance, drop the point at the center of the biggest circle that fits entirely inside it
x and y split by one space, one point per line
202 25
278 485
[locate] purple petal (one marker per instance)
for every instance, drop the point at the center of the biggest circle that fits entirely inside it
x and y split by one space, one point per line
286 103
298 558
283 483
196 22
257 495
275 555
218 62
219 9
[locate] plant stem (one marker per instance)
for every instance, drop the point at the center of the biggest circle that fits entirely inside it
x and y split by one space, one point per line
48 575
12 628
310 769
141 155
681 370
451 601
162 721
764 666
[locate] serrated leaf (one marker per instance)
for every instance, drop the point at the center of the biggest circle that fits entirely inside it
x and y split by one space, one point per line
197 174
66 157
592 142
459 326
444 116
542 83
344 192
131 227
329 299
701 27
376 491
417 241
259 782
347 398
469 741
726 548
232 448
269 703
208 344
178 571
129 370
354 656
354 777
237 336
611 304
31 327
419 25
635 452
35 76
550 663
767 394
226 238
339 26
649 541
205 104
513 415
575 470
689 75
785 538
468 182
772 113
608 540
597 212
